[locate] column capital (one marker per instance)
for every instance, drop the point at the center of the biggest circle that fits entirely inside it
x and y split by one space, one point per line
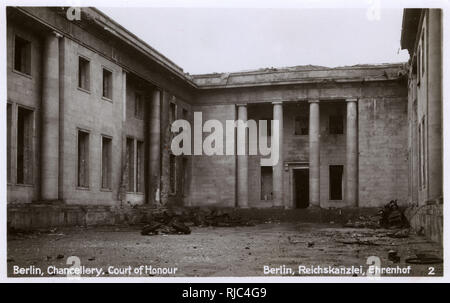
313 101
351 100
277 102
241 104
57 35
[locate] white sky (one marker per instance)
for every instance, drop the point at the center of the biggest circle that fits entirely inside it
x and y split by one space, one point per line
204 40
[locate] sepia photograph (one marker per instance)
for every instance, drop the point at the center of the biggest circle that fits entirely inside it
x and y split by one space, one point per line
286 141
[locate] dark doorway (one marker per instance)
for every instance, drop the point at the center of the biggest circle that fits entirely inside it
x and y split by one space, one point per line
301 188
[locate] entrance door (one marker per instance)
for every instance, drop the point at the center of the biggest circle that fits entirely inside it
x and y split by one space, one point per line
301 188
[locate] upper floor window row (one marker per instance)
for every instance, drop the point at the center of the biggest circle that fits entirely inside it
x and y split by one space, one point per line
84 76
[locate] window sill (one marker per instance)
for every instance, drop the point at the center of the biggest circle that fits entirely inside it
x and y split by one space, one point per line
107 99
22 74
83 188
106 189
135 193
84 90
23 185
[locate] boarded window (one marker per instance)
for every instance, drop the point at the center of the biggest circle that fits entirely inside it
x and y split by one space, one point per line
138 107
301 125
83 73
172 173
130 164
107 84
266 183
336 172
140 167
8 141
336 125
22 55
83 159
24 146
106 162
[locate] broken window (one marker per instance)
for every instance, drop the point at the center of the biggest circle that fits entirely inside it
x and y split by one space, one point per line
107 84
130 164
106 162
266 183
24 146
83 73
8 141
22 55
138 107
83 159
336 125
172 174
302 125
336 172
140 167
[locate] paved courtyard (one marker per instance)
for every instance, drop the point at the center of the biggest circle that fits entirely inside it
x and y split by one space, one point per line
270 249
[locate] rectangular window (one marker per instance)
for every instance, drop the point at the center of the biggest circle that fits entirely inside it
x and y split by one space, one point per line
83 73
107 84
83 159
24 146
172 172
185 114
185 180
138 107
172 113
423 51
336 172
422 154
130 164
106 162
418 59
301 125
22 55
140 167
266 183
336 125
8 141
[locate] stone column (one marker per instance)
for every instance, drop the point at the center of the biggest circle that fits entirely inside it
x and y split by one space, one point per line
242 160
351 154
154 148
314 153
50 119
277 176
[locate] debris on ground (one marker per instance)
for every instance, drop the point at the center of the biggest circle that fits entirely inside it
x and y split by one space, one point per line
357 241
404 233
390 216
177 221
392 256
424 258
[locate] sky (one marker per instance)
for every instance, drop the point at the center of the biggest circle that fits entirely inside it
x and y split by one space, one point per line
207 40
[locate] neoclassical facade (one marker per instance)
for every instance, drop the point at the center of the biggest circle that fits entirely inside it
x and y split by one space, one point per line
90 107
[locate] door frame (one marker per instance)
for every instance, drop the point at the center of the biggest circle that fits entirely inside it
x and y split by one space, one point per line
294 166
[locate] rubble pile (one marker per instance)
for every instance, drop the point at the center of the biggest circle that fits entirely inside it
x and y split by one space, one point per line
390 216
178 221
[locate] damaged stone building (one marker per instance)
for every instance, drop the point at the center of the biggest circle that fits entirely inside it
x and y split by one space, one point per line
90 106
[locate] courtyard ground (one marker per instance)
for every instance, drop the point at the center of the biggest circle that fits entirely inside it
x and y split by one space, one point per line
217 251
